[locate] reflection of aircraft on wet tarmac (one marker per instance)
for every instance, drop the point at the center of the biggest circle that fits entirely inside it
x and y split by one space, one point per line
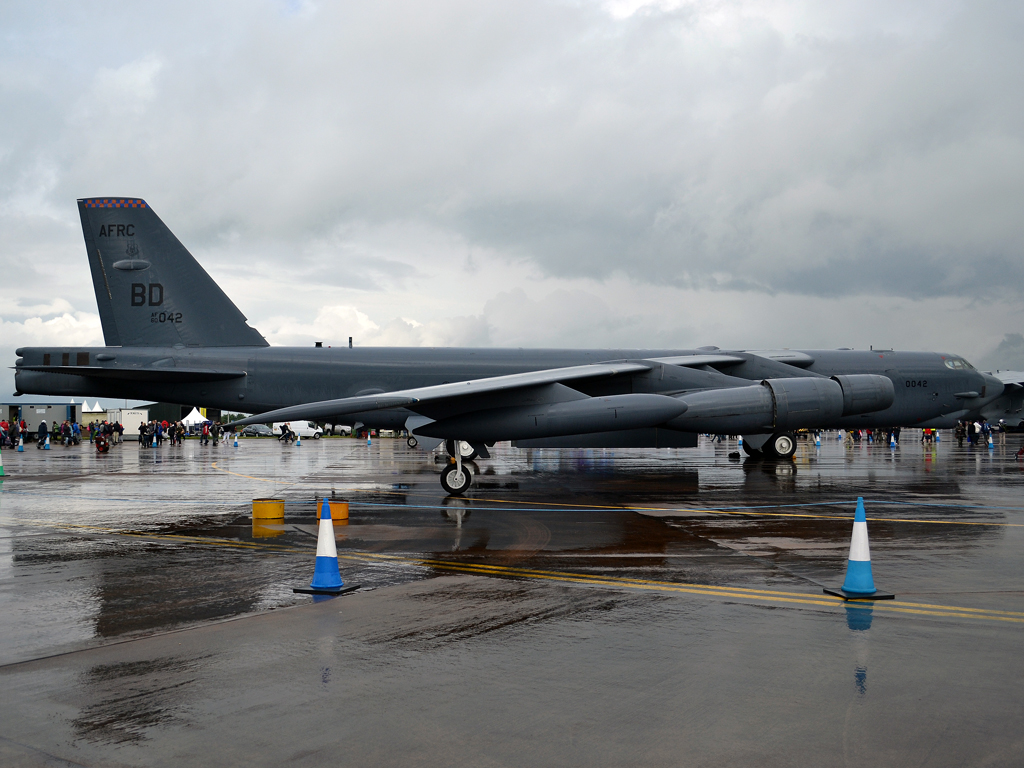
173 335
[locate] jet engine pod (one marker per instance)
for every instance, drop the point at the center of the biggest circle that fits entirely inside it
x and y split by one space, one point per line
805 402
865 393
594 414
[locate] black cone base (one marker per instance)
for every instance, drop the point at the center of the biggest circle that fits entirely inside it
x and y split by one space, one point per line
339 591
876 595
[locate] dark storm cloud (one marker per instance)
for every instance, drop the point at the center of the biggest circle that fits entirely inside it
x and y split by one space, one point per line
858 148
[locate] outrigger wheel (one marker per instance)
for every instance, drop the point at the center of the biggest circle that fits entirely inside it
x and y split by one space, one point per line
456 478
412 441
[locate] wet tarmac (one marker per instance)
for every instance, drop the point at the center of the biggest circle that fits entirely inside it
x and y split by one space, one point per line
621 607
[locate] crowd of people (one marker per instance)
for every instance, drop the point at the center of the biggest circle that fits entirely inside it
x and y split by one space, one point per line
106 433
154 433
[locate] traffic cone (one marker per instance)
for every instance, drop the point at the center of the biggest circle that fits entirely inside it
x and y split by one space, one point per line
739 442
298 440
859 585
47 446
892 439
154 439
326 573
236 439
367 437
938 437
817 440
1 466
21 444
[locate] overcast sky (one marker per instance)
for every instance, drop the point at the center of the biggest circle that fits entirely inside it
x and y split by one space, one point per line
743 174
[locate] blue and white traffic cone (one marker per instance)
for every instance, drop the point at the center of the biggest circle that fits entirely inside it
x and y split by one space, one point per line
817 440
839 435
368 441
326 573
47 446
938 437
739 442
21 444
892 439
1 466
859 584
298 440
154 440
236 439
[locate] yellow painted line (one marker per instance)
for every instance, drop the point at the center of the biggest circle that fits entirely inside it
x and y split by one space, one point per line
484 569
702 589
706 511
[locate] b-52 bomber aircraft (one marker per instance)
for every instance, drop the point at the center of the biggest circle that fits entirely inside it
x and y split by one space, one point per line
172 335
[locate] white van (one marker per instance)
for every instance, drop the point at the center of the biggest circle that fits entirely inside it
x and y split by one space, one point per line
300 428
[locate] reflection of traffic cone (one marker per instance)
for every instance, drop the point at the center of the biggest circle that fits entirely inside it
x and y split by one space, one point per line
21 444
859 585
326 574
47 446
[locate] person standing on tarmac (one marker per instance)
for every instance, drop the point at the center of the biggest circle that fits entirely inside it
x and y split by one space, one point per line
44 432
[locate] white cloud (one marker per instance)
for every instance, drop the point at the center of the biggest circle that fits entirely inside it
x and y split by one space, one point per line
540 173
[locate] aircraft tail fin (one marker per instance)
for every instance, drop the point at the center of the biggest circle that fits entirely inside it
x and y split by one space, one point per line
150 290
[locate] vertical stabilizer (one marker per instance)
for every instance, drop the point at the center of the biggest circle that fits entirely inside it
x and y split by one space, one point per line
150 290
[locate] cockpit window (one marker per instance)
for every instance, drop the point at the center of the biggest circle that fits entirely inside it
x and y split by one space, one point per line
958 364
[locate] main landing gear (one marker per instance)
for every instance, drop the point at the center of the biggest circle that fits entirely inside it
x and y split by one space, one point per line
460 448
781 445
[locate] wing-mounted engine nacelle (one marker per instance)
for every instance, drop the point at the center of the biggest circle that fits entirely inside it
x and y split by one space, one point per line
779 405
865 393
804 402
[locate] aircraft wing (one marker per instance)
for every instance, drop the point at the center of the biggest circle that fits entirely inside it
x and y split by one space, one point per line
1010 379
459 389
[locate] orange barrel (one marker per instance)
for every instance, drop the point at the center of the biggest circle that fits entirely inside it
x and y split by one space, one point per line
268 509
339 512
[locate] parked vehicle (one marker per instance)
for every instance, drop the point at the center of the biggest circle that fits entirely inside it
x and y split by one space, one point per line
258 430
300 428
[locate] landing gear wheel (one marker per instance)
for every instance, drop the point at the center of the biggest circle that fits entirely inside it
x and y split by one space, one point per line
781 445
455 479
751 451
412 441
468 451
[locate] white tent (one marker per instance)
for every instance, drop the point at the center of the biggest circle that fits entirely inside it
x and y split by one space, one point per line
86 408
194 419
